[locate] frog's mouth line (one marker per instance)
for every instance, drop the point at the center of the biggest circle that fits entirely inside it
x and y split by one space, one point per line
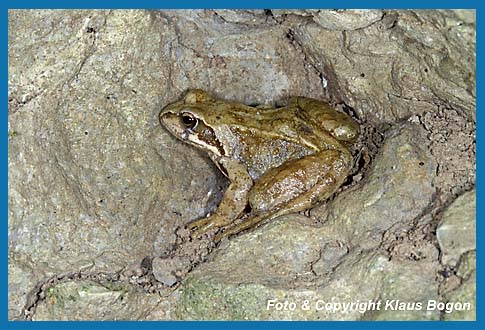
191 137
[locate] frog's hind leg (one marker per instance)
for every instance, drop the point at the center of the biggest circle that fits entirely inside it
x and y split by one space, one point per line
294 186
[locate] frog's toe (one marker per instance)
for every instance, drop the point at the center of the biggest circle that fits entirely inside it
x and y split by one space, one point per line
225 233
219 236
202 226
198 223
201 231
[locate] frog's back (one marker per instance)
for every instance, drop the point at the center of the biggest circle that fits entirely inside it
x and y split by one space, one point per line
302 116
339 125
266 138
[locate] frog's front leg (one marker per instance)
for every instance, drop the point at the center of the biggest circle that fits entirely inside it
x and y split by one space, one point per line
294 186
234 201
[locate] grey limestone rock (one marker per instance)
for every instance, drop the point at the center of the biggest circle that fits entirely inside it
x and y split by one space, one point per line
96 186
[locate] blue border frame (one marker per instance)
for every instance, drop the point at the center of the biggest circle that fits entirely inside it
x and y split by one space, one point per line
273 4
400 4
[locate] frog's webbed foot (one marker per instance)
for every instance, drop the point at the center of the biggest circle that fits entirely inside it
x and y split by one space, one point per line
204 225
236 229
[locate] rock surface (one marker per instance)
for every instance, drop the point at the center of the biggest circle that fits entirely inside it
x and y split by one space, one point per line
465 292
75 301
456 232
225 299
98 189
347 20
94 185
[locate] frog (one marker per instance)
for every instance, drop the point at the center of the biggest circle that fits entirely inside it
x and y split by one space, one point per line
279 160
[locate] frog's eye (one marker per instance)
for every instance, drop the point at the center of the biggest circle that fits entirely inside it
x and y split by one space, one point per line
189 121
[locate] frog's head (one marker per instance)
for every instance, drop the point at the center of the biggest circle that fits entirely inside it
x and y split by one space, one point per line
186 120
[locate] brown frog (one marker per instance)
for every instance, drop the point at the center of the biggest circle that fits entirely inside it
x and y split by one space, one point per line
278 160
